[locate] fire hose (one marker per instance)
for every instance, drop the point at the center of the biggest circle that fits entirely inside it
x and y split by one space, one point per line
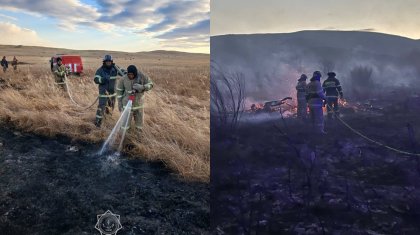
71 97
371 140
120 71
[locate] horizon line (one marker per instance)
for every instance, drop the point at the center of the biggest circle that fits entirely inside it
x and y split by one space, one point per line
306 30
160 50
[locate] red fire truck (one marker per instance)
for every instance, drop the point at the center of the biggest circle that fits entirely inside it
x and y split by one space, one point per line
73 62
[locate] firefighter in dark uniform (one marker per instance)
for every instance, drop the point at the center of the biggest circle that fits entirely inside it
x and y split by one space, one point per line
333 91
301 97
315 97
106 77
4 64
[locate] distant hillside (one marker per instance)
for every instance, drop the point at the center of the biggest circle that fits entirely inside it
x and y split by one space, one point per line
19 50
271 63
314 41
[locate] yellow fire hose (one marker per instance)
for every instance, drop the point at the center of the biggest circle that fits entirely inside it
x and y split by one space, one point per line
371 140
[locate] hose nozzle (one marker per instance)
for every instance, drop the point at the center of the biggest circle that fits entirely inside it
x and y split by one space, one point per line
131 97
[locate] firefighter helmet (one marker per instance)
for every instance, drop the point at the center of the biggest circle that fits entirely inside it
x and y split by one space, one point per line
331 74
303 77
107 58
317 74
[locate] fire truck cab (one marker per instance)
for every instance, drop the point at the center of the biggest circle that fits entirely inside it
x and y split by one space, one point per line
72 62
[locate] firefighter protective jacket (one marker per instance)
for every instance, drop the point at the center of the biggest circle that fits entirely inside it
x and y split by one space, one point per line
106 79
301 86
60 74
125 88
4 63
314 90
332 87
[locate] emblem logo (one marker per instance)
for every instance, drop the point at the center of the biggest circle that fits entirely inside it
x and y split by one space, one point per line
108 223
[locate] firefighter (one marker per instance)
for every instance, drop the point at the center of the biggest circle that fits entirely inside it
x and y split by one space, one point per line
301 97
332 90
4 64
14 63
135 83
60 73
315 98
105 77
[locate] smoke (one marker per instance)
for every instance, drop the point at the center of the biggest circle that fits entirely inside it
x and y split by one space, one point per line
271 67
264 117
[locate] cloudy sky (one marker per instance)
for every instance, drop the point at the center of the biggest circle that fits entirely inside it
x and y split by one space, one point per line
400 17
123 25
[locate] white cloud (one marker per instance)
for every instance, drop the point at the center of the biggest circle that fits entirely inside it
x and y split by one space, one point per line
163 20
7 17
15 35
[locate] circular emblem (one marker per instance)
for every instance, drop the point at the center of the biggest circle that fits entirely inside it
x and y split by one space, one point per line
108 223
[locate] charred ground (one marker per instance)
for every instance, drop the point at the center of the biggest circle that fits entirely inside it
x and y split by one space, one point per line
276 177
58 186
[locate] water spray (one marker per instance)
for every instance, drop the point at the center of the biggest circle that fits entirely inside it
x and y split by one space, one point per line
127 122
122 123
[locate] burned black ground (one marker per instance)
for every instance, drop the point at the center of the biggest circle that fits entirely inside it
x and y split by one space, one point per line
53 186
275 177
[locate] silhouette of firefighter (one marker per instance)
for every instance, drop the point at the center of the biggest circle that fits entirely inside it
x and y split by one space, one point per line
301 97
333 91
315 97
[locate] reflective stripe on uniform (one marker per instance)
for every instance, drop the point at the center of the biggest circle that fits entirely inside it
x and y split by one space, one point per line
98 116
137 107
118 89
119 96
113 77
107 96
99 78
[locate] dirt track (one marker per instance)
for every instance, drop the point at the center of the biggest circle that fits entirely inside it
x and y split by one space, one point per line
53 186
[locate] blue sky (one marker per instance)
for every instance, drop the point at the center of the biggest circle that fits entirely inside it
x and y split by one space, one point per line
398 17
121 25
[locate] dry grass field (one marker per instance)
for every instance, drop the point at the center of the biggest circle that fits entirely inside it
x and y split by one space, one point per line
176 113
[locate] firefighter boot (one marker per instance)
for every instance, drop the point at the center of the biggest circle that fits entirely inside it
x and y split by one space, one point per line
98 122
107 110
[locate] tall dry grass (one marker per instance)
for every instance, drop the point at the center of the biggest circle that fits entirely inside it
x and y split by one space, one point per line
176 129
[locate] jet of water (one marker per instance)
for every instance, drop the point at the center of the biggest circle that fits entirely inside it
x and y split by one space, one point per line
126 123
123 121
